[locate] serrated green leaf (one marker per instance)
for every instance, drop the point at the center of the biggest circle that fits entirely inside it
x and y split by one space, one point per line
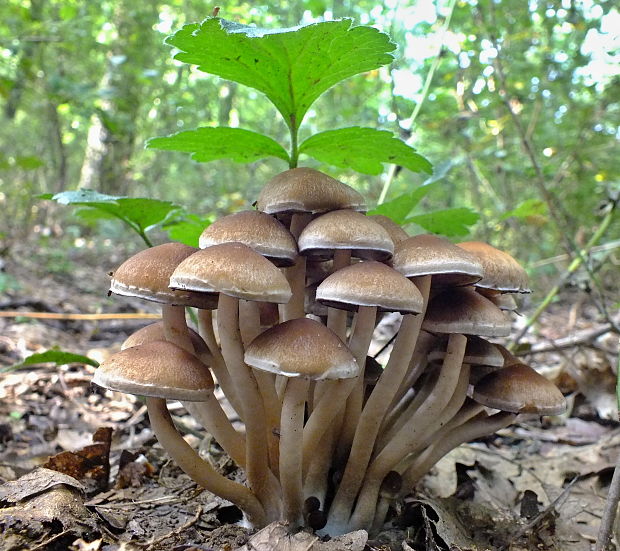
449 222
363 150
211 143
55 356
187 229
399 208
292 67
529 207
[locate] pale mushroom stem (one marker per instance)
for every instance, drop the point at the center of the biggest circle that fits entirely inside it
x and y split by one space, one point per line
468 410
291 433
477 427
336 317
266 383
296 275
315 482
212 417
374 412
330 404
208 413
359 343
409 435
196 468
205 327
260 477
175 326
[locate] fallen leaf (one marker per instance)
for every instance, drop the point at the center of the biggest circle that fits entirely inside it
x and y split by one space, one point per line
91 464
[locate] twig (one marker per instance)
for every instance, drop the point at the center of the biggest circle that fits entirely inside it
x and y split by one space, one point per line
613 496
572 268
540 516
526 142
53 316
568 342
418 106
609 246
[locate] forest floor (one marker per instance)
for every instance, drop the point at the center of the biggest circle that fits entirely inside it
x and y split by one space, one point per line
540 484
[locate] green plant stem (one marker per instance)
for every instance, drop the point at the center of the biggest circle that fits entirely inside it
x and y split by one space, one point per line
425 90
572 268
294 129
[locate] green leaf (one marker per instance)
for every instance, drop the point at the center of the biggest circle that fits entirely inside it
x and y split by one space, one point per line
450 222
140 213
399 208
364 150
210 143
527 208
292 67
55 356
187 229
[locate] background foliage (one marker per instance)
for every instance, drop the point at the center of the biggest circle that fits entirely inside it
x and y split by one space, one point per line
520 122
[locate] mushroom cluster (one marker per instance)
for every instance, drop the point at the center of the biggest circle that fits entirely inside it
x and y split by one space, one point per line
331 438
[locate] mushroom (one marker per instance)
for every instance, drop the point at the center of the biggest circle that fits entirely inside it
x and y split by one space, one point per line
298 194
207 412
160 370
237 272
366 287
300 349
501 271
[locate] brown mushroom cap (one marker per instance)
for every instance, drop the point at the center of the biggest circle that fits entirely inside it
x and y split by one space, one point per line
477 352
370 284
519 389
257 230
302 189
160 369
233 269
345 230
146 275
155 332
500 270
462 310
422 255
397 233
302 348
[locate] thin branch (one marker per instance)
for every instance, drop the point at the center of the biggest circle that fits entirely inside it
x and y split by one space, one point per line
427 85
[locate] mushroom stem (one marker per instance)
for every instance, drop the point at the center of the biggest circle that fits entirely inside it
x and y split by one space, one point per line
209 413
405 440
211 416
330 404
336 317
175 326
291 432
477 427
260 478
296 275
196 468
249 326
374 412
359 344
315 482
218 366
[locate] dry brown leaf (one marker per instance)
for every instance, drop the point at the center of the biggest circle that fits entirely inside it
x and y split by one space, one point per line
90 464
277 537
